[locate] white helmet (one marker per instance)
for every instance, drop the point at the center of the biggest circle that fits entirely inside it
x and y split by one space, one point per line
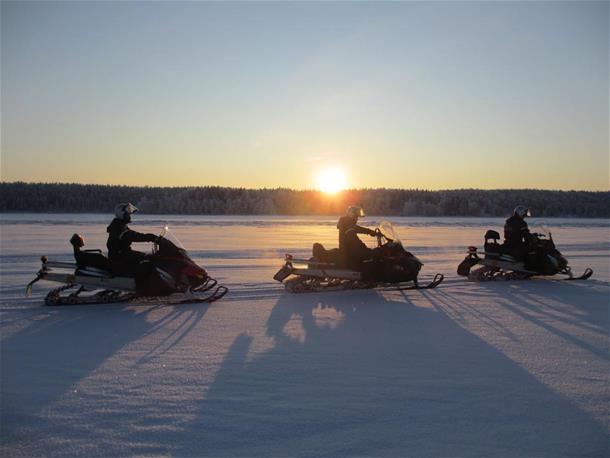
521 211
122 210
354 211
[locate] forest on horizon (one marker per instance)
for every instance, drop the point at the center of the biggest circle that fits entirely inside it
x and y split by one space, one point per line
215 200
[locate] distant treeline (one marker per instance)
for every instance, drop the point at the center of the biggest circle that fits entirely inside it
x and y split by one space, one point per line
214 200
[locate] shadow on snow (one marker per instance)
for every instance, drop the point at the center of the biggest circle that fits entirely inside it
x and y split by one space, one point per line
63 345
390 379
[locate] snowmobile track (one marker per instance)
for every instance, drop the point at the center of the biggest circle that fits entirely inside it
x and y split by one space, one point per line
483 275
305 285
54 297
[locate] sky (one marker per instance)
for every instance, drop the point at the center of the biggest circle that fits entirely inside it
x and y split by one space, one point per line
429 95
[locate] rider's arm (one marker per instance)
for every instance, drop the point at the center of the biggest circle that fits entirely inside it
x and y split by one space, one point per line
363 230
130 236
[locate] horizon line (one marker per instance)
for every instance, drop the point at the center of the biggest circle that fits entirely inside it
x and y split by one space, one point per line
2 182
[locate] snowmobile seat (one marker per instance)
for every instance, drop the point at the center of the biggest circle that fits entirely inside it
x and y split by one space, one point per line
323 255
91 258
508 258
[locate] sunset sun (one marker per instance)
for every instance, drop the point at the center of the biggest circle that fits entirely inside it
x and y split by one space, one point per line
331 180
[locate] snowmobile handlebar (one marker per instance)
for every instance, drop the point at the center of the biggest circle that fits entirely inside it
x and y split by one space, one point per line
380 235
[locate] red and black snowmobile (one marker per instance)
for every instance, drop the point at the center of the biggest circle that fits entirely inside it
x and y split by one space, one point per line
168 274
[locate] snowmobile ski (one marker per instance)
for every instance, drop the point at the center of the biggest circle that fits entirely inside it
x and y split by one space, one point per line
586 274
437 280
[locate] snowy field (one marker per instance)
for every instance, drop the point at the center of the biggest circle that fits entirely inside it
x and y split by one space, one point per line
503 369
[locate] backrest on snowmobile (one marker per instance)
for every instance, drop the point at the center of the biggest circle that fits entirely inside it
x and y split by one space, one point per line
77 241
491 242
318 250
88 258
491 234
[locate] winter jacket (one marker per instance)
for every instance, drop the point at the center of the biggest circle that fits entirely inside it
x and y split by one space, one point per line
516 233
120 238
352 249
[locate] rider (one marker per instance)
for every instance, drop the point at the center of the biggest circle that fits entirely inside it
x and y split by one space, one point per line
516 233
353 251
124 260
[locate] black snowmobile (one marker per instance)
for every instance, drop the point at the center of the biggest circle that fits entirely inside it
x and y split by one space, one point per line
542 259
390 266
170 275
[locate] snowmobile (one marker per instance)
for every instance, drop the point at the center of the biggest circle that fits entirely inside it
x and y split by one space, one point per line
390 266
169 275
542 259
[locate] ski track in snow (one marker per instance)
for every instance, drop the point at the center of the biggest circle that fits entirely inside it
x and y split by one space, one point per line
503 369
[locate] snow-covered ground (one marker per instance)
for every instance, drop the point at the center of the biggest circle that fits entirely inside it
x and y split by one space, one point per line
507 369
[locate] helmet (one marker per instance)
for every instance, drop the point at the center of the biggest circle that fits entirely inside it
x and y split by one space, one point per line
122 211
354 211
521 211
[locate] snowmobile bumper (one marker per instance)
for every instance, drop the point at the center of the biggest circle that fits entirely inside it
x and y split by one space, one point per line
283 273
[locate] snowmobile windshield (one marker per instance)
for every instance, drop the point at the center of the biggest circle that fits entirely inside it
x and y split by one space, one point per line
169 235
388 231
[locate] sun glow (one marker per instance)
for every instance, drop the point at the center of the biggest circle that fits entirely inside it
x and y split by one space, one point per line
331 180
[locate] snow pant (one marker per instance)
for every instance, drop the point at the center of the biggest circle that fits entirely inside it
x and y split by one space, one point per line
136 265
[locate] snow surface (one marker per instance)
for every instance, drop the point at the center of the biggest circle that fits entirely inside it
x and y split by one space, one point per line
506 369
